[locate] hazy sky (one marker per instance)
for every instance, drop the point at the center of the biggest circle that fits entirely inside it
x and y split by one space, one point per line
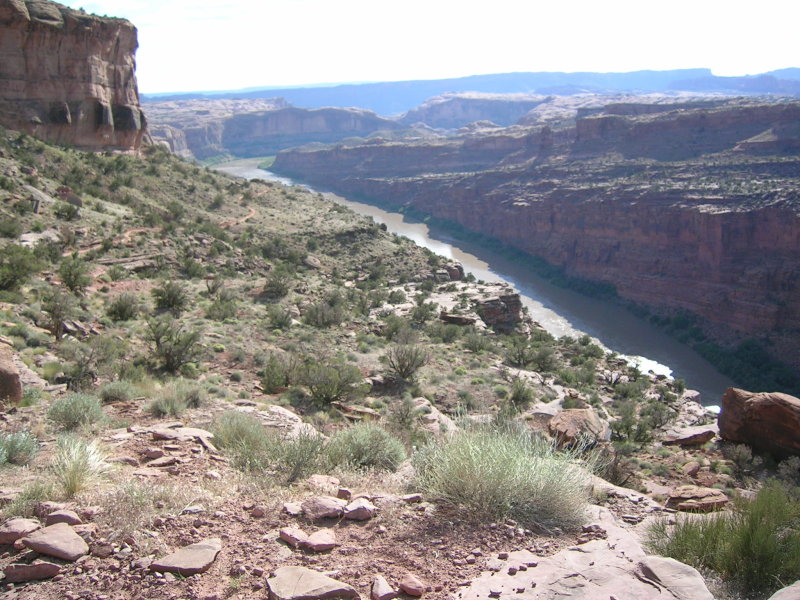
189 45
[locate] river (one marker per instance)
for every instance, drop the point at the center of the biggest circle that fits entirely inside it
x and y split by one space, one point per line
560 311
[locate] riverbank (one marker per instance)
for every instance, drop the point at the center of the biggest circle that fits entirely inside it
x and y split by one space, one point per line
559 310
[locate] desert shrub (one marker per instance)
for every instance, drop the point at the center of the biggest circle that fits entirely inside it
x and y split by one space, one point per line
59 306
17 264
521 394
77 465
255 449
505 472
756 547
123 307
476 342
25 503
176 397
424 311
117 391
18 448
446 333
277 284
324 314
10 227
116 272
519 352
404 360
221 309
365 446
173 345
74 274
332 381
171 296
396 297
128 509
278 317
279 371
75 410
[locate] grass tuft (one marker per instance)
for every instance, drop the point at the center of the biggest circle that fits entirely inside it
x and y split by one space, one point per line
77 465
365 446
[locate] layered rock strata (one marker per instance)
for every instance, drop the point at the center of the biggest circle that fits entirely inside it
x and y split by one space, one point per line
69 77
668 208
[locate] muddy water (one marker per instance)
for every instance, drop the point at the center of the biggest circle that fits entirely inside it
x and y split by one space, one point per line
559 311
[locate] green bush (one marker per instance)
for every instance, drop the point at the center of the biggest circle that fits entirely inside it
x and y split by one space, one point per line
330 382
18 448
254 448
171 296
278 317
404 360
756 547
75 410
17 264
279 371
505 472
173 345
74 274
77 465
176 397
117 391
124 307
365 446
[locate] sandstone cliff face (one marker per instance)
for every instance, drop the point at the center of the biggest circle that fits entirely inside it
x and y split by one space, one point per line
452 111
719 238
68 77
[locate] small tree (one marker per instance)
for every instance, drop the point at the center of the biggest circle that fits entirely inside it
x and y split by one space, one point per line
330 382
173 345
404 360
74 273
16 265
59 306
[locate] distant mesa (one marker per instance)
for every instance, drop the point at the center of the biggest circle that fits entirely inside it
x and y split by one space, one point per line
69 77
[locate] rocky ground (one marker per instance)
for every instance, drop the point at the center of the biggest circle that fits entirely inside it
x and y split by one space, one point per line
278 278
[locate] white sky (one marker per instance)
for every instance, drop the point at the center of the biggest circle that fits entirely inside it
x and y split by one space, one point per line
188 45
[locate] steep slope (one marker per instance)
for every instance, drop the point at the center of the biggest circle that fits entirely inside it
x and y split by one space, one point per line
669 208
68 77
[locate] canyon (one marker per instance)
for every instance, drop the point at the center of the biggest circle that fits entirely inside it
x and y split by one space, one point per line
682 209
69 77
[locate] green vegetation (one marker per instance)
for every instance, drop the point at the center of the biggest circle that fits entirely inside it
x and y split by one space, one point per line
505 473
756 547
77 465
75 410
365 446
18 448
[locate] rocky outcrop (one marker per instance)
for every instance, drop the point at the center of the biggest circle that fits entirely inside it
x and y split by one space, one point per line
502 312
10 380
68 77
451 111
767 422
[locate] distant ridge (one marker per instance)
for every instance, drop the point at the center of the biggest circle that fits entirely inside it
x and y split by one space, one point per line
397 97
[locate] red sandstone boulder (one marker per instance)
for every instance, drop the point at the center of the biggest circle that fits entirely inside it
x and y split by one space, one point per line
765 421
578 425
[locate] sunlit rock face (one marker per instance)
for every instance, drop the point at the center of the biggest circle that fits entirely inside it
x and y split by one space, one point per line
69 77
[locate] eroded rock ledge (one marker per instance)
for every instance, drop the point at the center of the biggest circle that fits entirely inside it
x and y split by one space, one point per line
68 77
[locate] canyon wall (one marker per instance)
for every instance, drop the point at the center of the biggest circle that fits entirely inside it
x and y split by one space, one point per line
716 233
68 77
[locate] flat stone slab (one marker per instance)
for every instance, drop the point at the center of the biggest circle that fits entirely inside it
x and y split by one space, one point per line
693 498
70 517
690 436
33 572
683 581
323 507
360 509
190 560
58 541
14 529
321 541
300 583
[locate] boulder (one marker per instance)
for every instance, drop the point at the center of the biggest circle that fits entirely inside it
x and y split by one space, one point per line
683 581
190 560
766 421
602 568
70 517
689 436
300 583
294 536
10 382
788 593
503 312
19 573
578 425
323 507
17 528
692 498
360 509
58 541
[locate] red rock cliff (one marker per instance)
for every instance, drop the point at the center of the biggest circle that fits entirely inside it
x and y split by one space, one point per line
68 77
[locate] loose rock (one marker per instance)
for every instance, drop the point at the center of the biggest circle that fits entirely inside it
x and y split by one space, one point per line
58 541
35 571
14 529
360 510
193 559
411 585
323 507
381 590
300 583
